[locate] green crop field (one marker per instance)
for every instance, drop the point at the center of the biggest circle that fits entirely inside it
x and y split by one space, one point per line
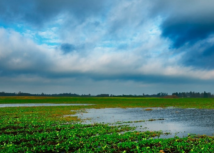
45 129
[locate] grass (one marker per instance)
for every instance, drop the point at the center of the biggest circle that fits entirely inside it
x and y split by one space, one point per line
124 102
44 129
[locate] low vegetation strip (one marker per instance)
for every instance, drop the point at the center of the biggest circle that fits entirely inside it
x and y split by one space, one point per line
123 102
44 129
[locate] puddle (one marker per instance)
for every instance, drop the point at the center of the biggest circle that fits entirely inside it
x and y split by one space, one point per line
42 104
180 122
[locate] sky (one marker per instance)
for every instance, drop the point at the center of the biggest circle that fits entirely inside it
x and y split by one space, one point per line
108 46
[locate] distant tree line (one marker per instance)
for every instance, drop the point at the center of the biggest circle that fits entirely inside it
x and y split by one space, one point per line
42 94
161 94
193 94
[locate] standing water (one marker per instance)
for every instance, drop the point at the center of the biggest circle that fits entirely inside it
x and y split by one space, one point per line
176 121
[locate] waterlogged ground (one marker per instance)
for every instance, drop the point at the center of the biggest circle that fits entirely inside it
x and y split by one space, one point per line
175 121
51 129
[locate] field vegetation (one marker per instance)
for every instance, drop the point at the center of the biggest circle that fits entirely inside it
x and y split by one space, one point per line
45 129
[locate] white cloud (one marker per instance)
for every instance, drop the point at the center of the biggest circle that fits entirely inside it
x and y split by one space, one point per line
123 45
36 59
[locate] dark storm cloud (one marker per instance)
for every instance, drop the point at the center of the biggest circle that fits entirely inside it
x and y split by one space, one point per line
148 78
66 47
38 12
96 77
201 57
188 25
186 22
183 31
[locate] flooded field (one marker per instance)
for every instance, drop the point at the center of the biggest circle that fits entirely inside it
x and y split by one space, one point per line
127 124
40 104
180 122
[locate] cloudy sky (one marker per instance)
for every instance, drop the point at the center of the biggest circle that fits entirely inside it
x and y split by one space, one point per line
106 46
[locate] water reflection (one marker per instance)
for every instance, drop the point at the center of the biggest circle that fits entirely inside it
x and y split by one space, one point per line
42 104
177 121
